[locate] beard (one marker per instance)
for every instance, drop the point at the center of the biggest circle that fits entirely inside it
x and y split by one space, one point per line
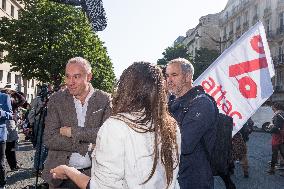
177 89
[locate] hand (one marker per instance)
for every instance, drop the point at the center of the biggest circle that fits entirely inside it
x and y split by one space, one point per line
65 131
91 147
59 172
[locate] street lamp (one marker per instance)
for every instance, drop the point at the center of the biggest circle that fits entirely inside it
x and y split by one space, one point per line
219 42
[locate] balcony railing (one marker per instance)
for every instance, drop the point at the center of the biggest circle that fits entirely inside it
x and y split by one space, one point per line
255 17
278 88
278 60
234 11
244 4
280 30
245 24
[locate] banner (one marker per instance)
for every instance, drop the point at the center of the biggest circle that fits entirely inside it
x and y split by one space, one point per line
240 79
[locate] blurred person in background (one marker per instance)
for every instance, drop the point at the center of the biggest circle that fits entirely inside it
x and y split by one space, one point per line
5 114
277 131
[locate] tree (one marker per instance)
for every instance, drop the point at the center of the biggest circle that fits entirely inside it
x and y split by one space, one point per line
202 60
172 52
45 36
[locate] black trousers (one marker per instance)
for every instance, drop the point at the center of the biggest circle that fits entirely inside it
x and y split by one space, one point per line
275 150
11 154
2 164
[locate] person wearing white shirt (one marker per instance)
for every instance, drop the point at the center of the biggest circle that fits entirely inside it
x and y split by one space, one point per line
138 147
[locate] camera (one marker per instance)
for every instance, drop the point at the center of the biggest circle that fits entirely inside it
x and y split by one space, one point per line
44 91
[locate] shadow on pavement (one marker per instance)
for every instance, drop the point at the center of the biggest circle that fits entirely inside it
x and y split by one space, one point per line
20 175
25 146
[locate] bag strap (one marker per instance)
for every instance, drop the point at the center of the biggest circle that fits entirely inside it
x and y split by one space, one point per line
215 124
281 116
186 108
216 116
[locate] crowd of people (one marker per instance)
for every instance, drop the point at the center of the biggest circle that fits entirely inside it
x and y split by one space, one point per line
156 131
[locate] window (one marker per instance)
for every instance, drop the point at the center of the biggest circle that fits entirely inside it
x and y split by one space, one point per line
12 10
225 30
280 54
4 4
281 20
25 81
267 24
9 77
231 28
1 75
268 3
279 77
238 22
256 10
33 83
246 16
224 33
18 79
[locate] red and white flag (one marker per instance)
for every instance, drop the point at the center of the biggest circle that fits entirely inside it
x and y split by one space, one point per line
240 79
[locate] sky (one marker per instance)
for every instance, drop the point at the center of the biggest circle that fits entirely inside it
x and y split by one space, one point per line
140 30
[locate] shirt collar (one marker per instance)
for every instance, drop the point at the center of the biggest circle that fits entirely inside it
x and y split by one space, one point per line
91 92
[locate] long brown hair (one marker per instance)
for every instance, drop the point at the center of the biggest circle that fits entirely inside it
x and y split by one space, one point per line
141 89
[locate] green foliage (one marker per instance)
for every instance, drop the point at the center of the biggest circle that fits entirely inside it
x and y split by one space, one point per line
172 52
203 58
45 36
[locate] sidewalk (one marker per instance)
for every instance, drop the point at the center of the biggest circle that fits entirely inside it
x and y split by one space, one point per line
259 154
22 177
259 147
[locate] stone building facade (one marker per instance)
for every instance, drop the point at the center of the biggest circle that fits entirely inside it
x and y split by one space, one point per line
239 15
8 78
204 35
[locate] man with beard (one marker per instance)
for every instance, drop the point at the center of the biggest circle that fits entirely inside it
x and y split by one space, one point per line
196 114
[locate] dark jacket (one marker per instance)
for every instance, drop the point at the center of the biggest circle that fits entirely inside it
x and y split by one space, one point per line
196 115
278 130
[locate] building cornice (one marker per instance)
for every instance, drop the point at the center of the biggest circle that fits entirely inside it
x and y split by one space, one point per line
18 4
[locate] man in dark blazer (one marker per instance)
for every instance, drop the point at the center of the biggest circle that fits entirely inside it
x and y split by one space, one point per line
5 114
74 116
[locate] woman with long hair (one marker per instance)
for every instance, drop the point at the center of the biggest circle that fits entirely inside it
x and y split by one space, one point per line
138 146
